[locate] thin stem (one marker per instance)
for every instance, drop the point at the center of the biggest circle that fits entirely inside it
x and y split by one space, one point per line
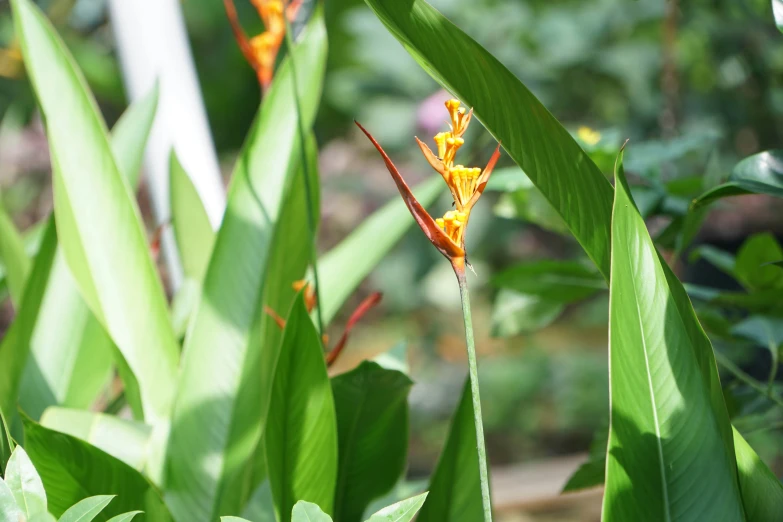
289 43
459 269
747 379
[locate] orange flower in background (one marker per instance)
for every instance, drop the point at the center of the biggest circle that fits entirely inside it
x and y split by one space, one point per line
261 50
311 302
465 183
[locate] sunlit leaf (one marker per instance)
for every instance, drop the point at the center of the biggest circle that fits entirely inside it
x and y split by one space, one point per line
212 472
125 517
308 512
761 173
124 439
8 508
657 468
87 509
6 443
25 483
192 228
98 222
402 511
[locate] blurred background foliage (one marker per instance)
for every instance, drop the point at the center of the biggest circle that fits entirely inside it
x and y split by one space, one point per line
696 86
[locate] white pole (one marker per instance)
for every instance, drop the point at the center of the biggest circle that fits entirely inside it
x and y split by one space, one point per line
153 46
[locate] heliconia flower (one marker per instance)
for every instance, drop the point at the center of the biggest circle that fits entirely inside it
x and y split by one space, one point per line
465 183
311 302
261 50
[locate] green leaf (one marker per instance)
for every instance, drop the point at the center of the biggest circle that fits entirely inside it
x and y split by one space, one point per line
42 517
455 492
762 491
753 267
72 469
125 517
403 511
761 173
99 225
8 509
658 469
6 443
347 264
777 11
130 133
25 483
123 439
192 228
308 512
72 354
560 281
301 435
372 432
15 347
533 138
87 509
720 259
13 257
516 313
233 519
229 388
592 472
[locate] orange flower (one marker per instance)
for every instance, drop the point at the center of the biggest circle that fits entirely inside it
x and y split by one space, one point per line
261 50
310 302
466 185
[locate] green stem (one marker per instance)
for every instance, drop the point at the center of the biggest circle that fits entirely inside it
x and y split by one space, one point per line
474 388
747 379
289 43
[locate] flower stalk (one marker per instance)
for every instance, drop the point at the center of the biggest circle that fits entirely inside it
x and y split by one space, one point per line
447 234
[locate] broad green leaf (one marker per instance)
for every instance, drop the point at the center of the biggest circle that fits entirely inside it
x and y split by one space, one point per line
516 313
455 490
301 435
402 511
658 468
25 483
130 133
777 11
226 370
761 173
8 509
308 512
372 433
13 257
125 517
72 469
6 443
192 228
560 281
87 509
534 139
71 352
753 268
15 347
42 517
233 519
71 355
123 439
762 491
290 254
99 225
350 262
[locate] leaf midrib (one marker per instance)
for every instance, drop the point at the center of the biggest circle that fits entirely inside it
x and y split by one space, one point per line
652 397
